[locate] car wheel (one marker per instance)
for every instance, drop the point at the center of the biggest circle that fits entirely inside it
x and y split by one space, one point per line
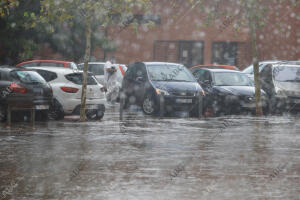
100 112
41 115
2 113
149 107
56 111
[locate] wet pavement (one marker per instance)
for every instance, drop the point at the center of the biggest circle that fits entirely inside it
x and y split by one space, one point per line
142 157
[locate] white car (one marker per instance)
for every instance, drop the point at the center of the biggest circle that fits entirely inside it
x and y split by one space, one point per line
66 84
97 68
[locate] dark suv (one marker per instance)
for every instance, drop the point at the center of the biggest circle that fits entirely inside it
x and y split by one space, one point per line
148 83
24 89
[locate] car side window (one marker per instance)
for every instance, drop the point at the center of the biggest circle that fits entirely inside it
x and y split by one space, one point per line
50 64
47 75
96 69
198 74
205 76
30 65
130 72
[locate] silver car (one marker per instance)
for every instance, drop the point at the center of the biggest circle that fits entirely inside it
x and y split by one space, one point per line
97 68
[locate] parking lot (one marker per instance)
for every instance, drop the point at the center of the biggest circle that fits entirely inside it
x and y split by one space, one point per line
142 157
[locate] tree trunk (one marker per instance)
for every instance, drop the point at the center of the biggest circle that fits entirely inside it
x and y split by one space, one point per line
85 70
252 25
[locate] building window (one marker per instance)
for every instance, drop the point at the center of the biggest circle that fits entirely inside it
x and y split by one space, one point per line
224 53
189 53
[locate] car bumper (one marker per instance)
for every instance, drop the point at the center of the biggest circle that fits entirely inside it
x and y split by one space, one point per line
39 103
179 103
288 103
71 105
76 111
240 103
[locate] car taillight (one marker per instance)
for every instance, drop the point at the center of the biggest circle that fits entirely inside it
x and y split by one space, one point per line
17 88
69 89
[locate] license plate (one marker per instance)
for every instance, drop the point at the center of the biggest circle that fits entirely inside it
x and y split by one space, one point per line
42 107
37 90
91 107
184 100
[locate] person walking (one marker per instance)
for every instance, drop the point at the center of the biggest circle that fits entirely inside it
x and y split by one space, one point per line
111 83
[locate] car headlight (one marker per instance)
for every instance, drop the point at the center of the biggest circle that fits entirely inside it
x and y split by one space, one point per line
162 92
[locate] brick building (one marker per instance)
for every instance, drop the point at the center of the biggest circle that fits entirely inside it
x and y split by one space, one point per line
180 37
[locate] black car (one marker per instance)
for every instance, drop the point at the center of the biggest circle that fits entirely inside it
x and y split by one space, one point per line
149 83
24 89
281 81
227 91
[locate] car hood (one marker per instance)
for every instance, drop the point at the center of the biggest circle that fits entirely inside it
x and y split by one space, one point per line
237 90
177 86
290 88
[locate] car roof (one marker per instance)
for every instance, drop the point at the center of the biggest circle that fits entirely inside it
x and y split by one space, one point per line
92 63
6 68
215 65
286 64
160 63
51 61
60 70
222 70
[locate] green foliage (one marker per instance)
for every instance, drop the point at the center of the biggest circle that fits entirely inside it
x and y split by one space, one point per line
6 6
69 39
19 39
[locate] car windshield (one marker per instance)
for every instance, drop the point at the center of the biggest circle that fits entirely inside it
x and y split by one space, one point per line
96 69
284 73
231 79
249 70
169 73
29 77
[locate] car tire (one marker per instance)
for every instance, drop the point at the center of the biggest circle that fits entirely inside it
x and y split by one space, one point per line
149 106
2 113
96 114
100 112
56 111
41 115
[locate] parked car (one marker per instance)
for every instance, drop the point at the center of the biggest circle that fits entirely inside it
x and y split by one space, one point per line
48 63
24 89
227 91
213 66
145 83
66 85
249 70
281 81
97 68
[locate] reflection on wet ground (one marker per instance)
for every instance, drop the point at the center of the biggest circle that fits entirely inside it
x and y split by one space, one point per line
233 157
